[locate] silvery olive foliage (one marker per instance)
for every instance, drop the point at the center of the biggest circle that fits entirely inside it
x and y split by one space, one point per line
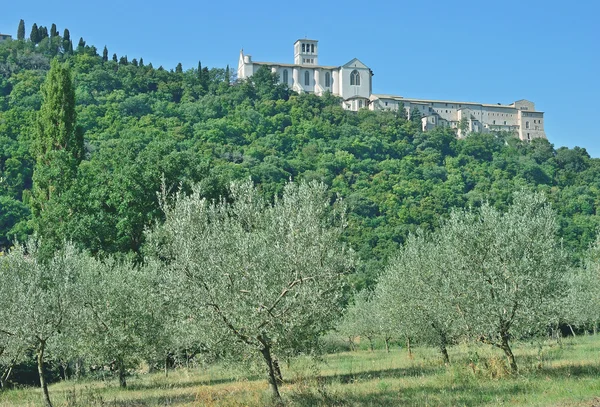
485 275
512 268
365 318
38 301
122 315
418 288
267 276
582 304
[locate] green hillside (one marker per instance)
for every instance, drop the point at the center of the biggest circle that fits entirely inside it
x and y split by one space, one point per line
141 123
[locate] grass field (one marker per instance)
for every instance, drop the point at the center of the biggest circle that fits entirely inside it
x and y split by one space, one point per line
552 375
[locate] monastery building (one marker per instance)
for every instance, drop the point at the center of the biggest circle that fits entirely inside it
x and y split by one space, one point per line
352 82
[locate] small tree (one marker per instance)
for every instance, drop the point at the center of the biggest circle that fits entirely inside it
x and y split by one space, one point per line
39 302
511 267
582 304
21 30
417 290
179 68
358 319
118 315
268 276
105 54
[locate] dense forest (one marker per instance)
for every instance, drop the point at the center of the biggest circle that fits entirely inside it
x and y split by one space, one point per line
146 126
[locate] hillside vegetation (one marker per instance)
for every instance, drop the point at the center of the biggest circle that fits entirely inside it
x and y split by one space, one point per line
143 125
166 218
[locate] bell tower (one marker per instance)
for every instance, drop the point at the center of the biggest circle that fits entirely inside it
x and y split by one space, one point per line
306 52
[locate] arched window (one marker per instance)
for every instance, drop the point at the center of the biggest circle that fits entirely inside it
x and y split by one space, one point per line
355 78
306 78
285 76
327 79
303 48
312 48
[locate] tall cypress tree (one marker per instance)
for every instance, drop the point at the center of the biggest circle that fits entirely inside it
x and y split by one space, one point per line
81 45
58 149
66 42
179 68
43 32
227 75
204 78
114 58
34 36
53 31
105 54
141 61
21 30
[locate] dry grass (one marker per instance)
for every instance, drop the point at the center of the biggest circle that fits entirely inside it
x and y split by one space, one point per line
552 375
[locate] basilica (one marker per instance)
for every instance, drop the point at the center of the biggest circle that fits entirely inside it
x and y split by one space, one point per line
352 82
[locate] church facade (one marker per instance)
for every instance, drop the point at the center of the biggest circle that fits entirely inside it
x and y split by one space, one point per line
352 82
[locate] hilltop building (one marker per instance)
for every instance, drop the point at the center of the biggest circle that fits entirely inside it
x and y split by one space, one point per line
5 37
353 83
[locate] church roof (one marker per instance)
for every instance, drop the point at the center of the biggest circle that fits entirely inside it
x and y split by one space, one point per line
295 65
402 98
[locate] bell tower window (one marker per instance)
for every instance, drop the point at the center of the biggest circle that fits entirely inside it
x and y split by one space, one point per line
355 78
285 76
306 78
327 79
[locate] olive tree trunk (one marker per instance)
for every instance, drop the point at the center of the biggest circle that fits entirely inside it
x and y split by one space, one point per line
122 373
40 365
266 352
505 346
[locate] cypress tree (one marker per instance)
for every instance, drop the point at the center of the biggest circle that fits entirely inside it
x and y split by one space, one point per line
114 58
66 42
179 68
227 75
34 36
57 147
199 70
53 31
105 54
43 31
123 60
141 61
134 62
81 45
21 30
204 78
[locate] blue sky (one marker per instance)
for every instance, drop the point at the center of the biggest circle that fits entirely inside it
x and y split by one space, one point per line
483 51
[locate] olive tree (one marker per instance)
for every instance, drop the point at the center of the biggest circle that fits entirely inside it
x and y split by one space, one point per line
269 276
366 318
358 319
582 304
37 301
118 315
418 291
511 267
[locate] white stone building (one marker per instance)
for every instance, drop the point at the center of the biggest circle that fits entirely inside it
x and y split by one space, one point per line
5 37
353 83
